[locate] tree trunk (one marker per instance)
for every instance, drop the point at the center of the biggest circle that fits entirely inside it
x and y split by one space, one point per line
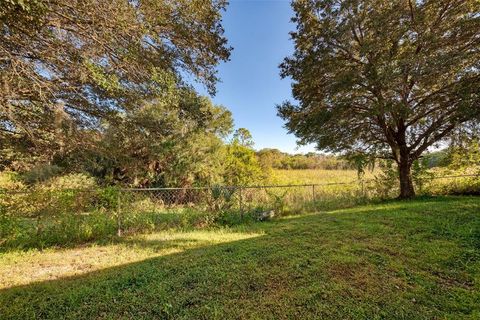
407 190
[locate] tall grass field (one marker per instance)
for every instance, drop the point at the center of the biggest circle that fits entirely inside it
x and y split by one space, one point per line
315 176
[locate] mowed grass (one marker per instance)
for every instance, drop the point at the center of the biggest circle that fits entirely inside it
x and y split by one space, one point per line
396 260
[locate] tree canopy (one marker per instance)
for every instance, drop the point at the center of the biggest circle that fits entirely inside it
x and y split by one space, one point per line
71 66
383 78
164 143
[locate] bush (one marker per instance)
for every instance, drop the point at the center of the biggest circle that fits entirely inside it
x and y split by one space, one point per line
457 185
385 183
107 198
421 175
41 173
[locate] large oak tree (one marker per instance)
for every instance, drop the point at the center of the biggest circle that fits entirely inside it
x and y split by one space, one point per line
68 66
383 78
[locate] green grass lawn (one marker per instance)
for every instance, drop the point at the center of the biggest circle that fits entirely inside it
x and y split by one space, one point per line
396 260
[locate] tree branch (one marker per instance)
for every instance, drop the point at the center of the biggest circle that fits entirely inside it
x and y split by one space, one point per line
435 138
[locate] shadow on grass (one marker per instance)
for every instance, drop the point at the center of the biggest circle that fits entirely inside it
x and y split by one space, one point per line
100 228
70 231
350 264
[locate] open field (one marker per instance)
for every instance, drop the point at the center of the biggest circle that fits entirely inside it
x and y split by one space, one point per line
396 260
315 176
437 181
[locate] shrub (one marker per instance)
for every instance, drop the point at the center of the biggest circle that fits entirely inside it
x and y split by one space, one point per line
107 198
241 166
221 198
421 175
41 173
385 183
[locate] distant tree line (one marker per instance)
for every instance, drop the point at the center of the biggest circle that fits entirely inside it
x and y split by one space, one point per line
455 156
274 158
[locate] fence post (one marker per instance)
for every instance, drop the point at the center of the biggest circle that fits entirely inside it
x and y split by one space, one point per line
362 186
241 201
119 213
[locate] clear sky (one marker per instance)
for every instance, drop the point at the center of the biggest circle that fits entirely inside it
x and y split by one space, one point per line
251 85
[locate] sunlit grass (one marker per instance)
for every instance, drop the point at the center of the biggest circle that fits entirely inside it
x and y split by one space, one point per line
24 267
393 260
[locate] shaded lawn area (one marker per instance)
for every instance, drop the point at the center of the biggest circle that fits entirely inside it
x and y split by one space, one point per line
396 260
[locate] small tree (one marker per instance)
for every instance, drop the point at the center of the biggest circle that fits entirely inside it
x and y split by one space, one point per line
243 137
241 165
385 79
174 144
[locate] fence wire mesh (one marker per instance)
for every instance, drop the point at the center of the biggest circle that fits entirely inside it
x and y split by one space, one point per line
60 216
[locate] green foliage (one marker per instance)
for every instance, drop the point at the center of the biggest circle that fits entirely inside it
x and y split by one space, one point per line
44 218
241 166
420 174
25 6
196 162
68 72
387 79
465 157
176 141
454 186
436 159
362 163
243 137
68 210
384 184
222 198
108 82
41 173
73 181
108 198
10 181
279 201
275 159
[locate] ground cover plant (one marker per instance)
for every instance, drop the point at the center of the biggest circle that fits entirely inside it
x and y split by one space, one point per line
394 260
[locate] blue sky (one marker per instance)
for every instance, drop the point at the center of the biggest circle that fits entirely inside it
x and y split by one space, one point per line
251 85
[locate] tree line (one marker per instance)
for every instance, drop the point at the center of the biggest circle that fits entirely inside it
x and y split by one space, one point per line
276 159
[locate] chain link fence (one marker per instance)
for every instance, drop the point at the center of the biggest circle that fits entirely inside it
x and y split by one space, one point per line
50 217
241 199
